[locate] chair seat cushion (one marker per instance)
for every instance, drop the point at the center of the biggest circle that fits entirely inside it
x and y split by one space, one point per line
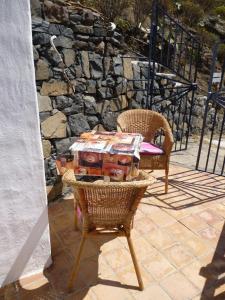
150 149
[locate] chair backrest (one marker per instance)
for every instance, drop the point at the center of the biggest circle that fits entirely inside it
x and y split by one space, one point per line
110 204
145 122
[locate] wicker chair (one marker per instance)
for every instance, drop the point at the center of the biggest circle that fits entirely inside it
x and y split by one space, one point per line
108 208
147 123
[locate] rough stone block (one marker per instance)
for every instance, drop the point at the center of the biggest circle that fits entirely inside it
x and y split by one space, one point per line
54 126
64 42
90 105
63 145
118 66
42 70
127 68
44 103
85 63
119 104
96 65
69 57
46 146
92 121
82 29
78 124
55 88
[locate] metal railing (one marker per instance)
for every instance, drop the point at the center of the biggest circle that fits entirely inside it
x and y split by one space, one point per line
211 153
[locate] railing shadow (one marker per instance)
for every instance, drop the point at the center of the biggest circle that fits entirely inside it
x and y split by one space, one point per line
187 189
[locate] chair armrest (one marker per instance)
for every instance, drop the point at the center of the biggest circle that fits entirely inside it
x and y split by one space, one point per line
168 141
69 177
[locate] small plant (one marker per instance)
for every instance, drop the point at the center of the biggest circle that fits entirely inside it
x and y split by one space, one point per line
122 24
208 38
220 10
192 13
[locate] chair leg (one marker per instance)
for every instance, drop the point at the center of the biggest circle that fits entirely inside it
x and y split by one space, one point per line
75 216
166 179
138 273
76 266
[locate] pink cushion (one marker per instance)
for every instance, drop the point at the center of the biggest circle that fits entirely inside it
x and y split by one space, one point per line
150 149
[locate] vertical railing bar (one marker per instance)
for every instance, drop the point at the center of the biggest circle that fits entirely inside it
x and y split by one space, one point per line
181 49
178 123
168 45
202 134
222 75
211 138
162 39
185 112
175 46
219 141
192 95
151 57
222 170
191 58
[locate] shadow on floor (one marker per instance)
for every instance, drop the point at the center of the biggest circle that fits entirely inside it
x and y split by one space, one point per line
64 244
187 189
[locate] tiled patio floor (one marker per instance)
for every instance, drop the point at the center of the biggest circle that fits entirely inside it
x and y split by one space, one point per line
179 240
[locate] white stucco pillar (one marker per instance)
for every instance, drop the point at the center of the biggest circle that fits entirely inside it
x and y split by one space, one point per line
24 231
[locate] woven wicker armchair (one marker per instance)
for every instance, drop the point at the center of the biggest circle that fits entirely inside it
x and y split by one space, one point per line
108 208
147 123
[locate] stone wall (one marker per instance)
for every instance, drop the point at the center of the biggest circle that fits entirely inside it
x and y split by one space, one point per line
92 52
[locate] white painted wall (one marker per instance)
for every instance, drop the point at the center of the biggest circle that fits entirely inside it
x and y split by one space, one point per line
24 231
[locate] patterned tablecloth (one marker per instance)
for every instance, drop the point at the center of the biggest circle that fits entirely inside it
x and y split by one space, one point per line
112 154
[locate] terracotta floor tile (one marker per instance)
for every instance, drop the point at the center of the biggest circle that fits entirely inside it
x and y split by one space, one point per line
10 292
158 266
193 273
111 292
90 248
144 225
68 236
59 273
108 243
178 231
85 294
178 255
162 219
128 276
44 292
219 226
148 208
174 230
139 215
56 244
142 248
153 292
55 209
63 221
194 223
210 234
118 258
179 287
209 216
219 208
178 213
197 246
34 281
159 238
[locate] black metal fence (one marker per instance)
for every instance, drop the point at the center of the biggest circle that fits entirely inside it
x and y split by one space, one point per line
211 154
165 81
